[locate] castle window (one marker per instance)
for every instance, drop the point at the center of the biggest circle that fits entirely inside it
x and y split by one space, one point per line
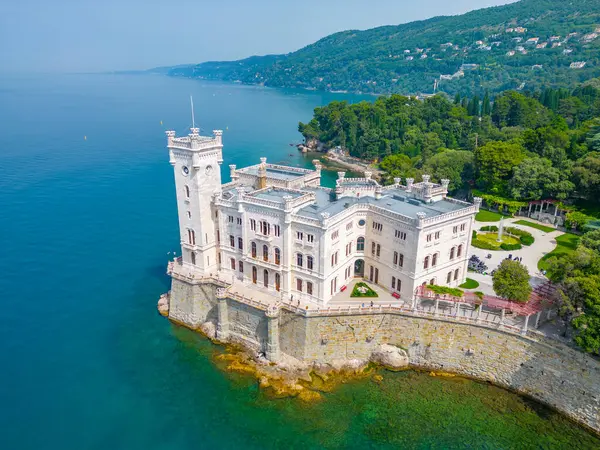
299 284
309 288
360 244
265 253
455 229
398 284
277 256
277 281
266 278
394 283
395 258
452 253
253 249
218 236
449 277
230 219
254 274
253 224
310 238
378 250
456 275
432 281
191 237
309 262
299 235
377 226
241 266
334 259
426 263
232 261
232 240
187 191
437 235
299 259
348 226
277 230
335 235
463 226
373 248
265 227
429 237
434 260
193 255
459 251
239 220
240 243
189 213
401 260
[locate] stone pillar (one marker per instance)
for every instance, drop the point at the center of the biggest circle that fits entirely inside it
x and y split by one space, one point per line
272 350
524 329
456 313
502 316
437 304
529 212
479 308
222 315
537 319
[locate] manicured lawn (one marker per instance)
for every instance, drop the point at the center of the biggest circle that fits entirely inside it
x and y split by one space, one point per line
492 239
537 226
363 290
488 216
566 243
469 284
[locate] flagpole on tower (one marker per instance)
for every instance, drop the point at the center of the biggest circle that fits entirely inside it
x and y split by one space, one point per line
192 105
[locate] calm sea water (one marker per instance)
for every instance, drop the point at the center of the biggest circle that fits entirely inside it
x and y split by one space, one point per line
87 216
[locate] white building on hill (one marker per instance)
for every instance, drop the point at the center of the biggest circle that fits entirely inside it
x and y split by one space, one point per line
275 227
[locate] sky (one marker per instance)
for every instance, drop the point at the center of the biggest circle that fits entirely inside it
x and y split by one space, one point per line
104 35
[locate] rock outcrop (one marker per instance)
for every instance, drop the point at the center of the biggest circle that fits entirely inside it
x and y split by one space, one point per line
390 357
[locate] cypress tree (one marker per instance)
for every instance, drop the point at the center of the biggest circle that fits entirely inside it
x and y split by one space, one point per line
486 108
457 99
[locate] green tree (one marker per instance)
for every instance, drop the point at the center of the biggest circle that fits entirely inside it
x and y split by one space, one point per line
535 178
577 219
454 165
511 281
495 161
486 107
457 98
591 240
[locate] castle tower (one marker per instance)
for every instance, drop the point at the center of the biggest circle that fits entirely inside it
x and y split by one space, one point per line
196 161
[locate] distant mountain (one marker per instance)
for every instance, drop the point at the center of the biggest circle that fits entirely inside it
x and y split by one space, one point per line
523 45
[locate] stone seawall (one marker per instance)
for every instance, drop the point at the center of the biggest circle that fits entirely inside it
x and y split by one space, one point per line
531 364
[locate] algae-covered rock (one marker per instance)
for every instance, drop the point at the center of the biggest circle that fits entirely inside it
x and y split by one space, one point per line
377 378
390 357
209 329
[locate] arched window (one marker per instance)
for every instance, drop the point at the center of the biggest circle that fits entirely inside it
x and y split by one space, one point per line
378 250
299 260
434 259
277 256
241 266
187 191
232 262
401 260
254 274
265 252
277 281
456 274
360 244
426 263
459 251
432 281
253 246
449 277
191 237
452 253
309 262
266 278
193 255
240 243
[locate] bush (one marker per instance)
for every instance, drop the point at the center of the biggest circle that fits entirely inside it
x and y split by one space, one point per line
474 235
517 232
442 290
469 284
483 245
527 240
479 294
505 246
489 228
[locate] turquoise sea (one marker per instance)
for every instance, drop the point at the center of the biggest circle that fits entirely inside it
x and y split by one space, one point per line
87 217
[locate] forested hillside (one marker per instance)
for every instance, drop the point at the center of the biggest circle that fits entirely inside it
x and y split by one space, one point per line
522 147
528 44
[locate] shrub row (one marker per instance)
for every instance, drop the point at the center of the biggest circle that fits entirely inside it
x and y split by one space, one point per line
489 228
483 244
525 237
505 246
445 290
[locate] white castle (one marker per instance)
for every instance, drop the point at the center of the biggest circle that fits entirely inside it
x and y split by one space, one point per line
273 228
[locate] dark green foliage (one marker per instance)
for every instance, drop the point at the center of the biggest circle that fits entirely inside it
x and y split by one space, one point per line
508 247
511 281
483 245
489 228
374 60
527 240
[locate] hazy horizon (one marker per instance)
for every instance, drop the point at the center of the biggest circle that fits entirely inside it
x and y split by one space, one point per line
85 36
